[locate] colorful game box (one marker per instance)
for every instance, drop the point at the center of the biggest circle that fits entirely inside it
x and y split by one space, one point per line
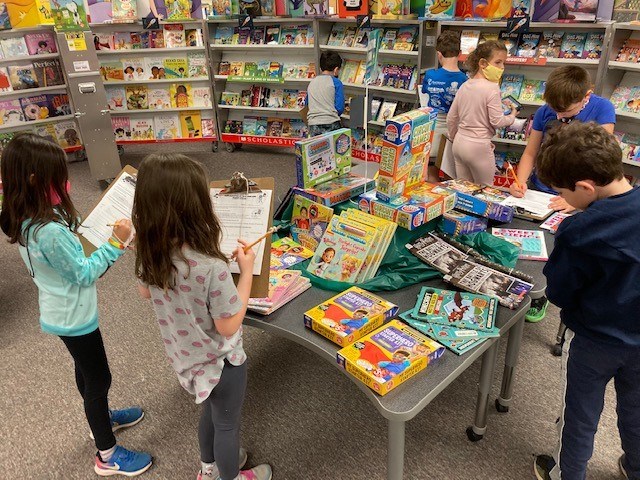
323 157
337 190
472 202
349 315
457 223
389 356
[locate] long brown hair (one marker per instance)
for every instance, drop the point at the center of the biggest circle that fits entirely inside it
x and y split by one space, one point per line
485 50
33 169
172 208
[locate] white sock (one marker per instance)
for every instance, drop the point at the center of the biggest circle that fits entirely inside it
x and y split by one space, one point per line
208 467
106 455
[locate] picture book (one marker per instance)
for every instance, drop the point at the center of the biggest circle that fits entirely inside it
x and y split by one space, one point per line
121 128
174 35
298 286
349 36
533 206
190 124
14 47
142 128
280 281
123 41
236 69
530 242
528 44
632 104
159 98
552 223
134 69
140 40
181 95
459 341
406 38
287 35
136 96
35 107
178 9
257 35
323 157
11 112
201 97
349 71
578 10
550 44
223 35
5 82
511 85
486 36
208 127
361 39
48 72
439 10
22 77
437 253
230 98
58 104
166 126
193 37
233 126
521 8
274 127
469 41
630 51
573 45
197 65
310 221
530 89
317 8
124 11
387 110
153 68
249 125
104 41
224 68
456 309
286 252
510 40
47 130
67 134
116 98
389 356
156 39
593 45
348 316
389 38
5 24
272 35
176 67
40 42
337 35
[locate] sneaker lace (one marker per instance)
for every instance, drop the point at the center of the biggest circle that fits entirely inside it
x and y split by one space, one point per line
126 456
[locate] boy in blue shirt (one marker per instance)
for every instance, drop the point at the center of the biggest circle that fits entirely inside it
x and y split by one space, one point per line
569 97
593 275
325 96
440 86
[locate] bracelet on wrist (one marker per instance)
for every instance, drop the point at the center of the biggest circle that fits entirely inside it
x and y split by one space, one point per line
116 243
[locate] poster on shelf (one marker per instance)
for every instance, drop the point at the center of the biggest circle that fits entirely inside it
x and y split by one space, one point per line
69 15
578 10
484 9
28 13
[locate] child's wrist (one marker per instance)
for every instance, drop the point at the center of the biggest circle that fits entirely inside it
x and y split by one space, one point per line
116 243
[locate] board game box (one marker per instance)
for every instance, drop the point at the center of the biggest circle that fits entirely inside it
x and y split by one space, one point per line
323 157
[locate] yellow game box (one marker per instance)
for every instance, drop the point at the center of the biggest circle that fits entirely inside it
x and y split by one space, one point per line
389 356
349 315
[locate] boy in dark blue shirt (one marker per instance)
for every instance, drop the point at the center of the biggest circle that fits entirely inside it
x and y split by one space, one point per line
593 275
439 87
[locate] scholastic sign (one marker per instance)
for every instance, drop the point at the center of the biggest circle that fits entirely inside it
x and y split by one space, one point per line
260 140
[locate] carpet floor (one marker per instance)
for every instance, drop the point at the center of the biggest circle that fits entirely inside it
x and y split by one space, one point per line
300 415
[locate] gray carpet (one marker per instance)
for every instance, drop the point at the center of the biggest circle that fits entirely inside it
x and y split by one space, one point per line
301 415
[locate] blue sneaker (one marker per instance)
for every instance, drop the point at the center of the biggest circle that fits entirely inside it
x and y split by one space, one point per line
127 417
123 462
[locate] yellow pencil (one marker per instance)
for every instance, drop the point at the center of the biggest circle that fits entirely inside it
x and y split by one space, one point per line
515 177
269 232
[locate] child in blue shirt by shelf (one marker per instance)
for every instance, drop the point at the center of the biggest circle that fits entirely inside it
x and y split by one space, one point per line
439 88
593 275
325 96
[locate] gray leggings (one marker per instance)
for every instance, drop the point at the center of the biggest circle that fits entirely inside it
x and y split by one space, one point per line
219 429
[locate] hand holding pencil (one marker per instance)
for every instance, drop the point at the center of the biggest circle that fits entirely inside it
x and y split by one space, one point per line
517 188
244 256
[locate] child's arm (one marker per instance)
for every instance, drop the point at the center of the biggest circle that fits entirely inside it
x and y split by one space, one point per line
495 110
566 274
453 119
527 162
339 96
144 291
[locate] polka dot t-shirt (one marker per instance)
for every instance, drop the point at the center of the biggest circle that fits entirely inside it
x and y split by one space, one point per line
204 290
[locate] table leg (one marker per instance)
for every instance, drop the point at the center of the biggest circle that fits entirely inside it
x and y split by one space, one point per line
479 427
510 362
395 450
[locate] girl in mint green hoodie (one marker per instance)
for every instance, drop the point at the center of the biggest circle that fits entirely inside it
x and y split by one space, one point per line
38 215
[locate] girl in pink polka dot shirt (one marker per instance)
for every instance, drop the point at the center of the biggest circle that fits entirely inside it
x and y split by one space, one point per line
198 307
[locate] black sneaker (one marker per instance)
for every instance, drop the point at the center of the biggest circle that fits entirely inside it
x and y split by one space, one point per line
621 465
542 465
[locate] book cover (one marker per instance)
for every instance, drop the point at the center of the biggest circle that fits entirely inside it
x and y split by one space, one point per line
140 40
156 39
175 67
350 315
552 223
333 191
178 9
530 242
224 68
629 51
174 35
197 65
318 8
22 77
632 104
123 41
436 253
287 35
223 35
349 71
142 128
124 11
11 112
134 69
249 125
100 11
230 98
14 47
201 97
550 44
159 98
5 24
121 128
58 104
310 220
593 45
286 253
209 127
362 38
68 134
469 41
487 36
389 356
236 69
323 157
349 36
386 110
529 91
116 98
190 124
48 72
48 131
389 38
233 126
511 85
274 127
28 13
181 95
193 37
573 45
40 43
272 35
439 10
510 41
620 96
406 38
337 35
111 71
35 107
104 41
5 82
528 44
280 281
136 96
153 68
456 309
257 35
578 10
166 126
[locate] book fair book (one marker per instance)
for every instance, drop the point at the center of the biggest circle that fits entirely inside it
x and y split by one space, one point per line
552 223
280 281
298 286
389 356
39 43
350 315
530 242
286 252
310 221
533 206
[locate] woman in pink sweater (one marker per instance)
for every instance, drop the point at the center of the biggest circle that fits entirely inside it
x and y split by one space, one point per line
477 112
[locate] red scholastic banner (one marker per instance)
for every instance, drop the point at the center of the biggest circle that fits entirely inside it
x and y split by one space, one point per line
359 154
259 140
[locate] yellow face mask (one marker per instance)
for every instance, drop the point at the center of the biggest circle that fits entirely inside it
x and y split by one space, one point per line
492 73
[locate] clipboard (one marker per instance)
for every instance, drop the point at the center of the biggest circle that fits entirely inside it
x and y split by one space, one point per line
87 246
260 286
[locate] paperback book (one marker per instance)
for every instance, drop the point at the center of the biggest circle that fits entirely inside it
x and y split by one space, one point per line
531 243
573 45
39 43
116 98
22 77
550 44
121 128
310 221
552 223
48 72
159 98
286 252
142 128
166 126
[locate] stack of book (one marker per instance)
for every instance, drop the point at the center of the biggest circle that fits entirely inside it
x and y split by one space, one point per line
458 320
171 36
284 286
143 97
268 126
264 35
143 69
34 107
402 76
37 74
400 39
267 69
167 126
265 97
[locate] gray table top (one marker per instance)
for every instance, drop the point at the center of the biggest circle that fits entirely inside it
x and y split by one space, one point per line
407 400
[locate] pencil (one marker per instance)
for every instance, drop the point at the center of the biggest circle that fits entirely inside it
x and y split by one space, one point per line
253 244
112 224
513 174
